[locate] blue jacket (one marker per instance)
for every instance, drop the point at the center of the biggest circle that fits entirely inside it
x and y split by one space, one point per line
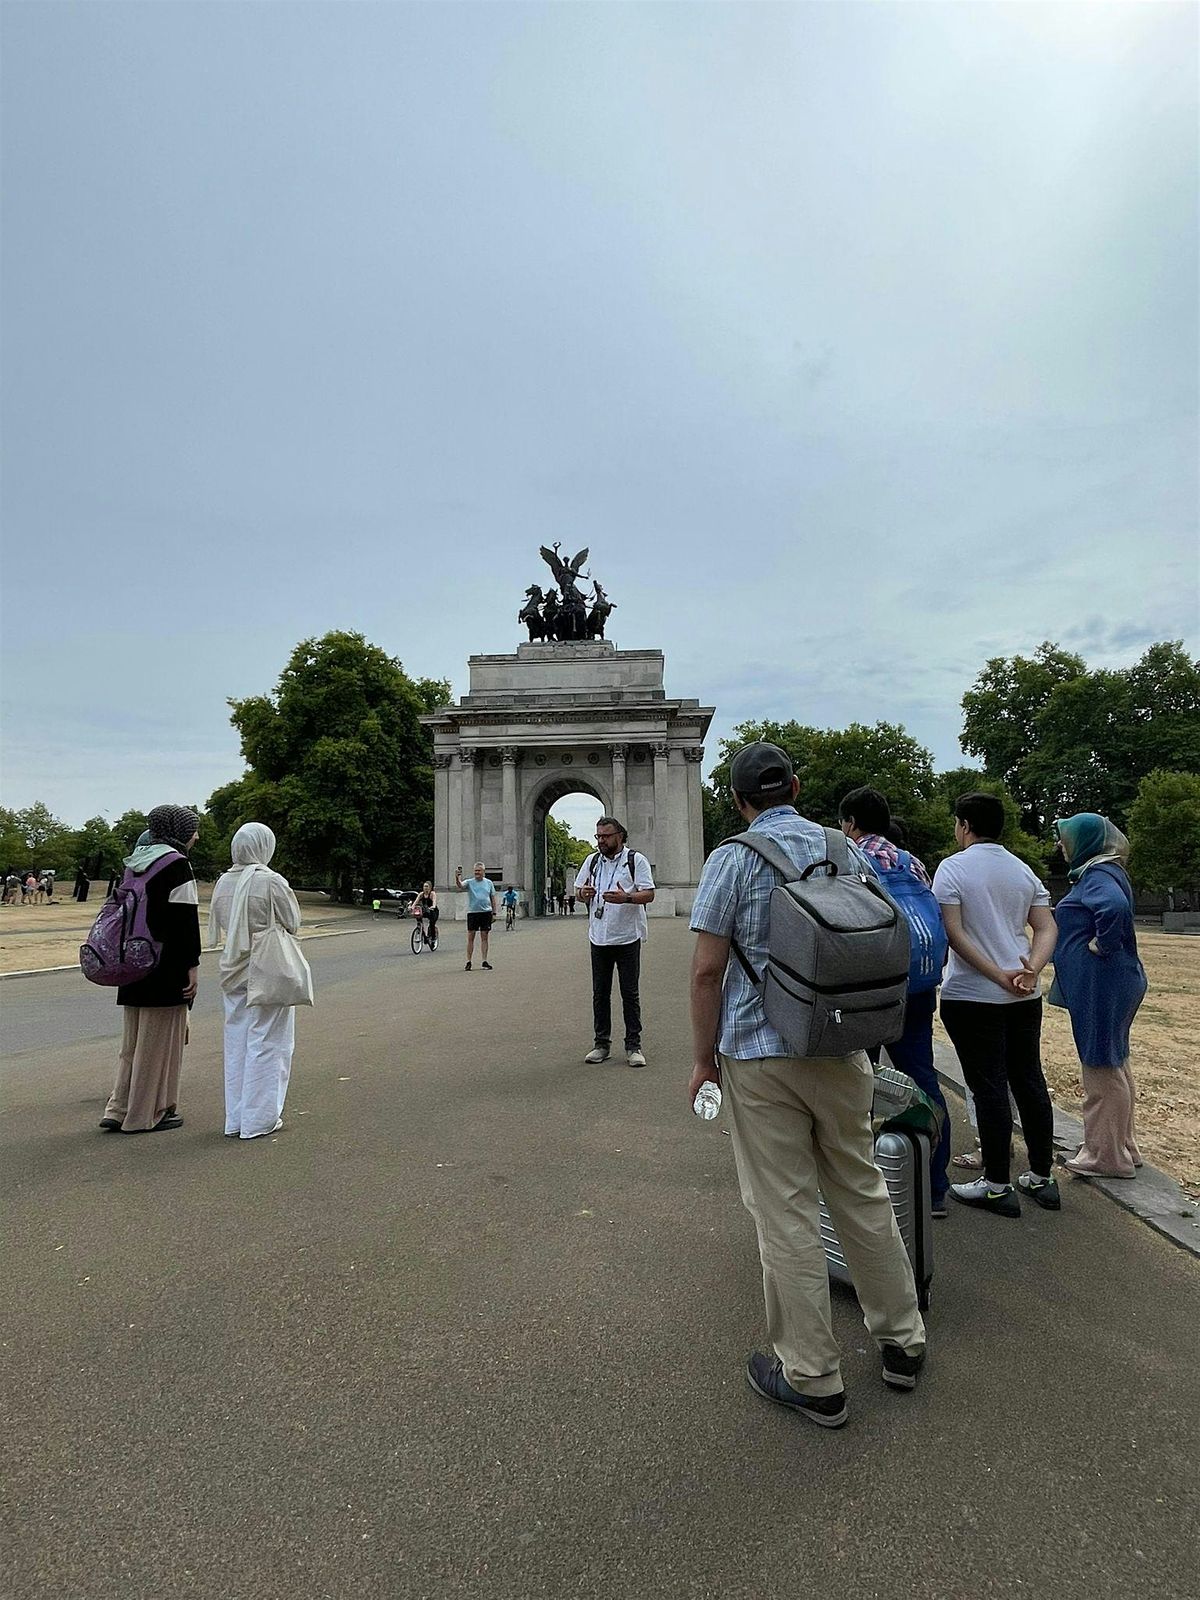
1101 992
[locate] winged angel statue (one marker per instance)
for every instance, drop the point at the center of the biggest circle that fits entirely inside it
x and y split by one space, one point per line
565 615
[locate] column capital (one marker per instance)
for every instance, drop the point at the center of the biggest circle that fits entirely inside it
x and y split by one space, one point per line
619 752
441 760
468 755
659 749
693 752
511 756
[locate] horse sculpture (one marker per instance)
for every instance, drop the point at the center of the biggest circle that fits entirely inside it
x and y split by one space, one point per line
531 615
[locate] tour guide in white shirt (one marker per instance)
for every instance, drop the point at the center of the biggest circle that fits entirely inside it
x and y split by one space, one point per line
797 1123
616 894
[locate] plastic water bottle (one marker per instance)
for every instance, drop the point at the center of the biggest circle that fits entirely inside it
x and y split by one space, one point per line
708 1100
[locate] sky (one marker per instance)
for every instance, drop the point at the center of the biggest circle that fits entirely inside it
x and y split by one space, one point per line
858 342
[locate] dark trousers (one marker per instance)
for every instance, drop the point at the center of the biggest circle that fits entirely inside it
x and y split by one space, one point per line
912 1053
999 1048
627 959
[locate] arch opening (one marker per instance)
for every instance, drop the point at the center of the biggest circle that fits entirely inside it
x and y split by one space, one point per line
575 803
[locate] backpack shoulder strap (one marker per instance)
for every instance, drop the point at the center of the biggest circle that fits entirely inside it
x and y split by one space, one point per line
769 851
837 849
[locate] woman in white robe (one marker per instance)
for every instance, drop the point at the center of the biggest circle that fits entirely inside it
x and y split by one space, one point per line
258 1039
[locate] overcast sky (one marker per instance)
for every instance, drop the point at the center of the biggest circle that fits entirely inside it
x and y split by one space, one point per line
859 343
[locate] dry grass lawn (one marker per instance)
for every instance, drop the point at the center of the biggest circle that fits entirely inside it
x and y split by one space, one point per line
1165 1056
50 935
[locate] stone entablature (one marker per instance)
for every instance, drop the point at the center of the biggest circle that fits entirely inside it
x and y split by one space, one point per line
560 718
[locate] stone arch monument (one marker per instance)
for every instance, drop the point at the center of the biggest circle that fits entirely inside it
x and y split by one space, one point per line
560 717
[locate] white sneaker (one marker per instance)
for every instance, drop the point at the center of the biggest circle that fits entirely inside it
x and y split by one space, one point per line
988 1196
596 1056
635 1058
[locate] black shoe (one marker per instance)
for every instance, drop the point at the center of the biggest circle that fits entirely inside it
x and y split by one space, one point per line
487 966
467 968
110 1124
900 1370
171 1120
1042 1191
765 1375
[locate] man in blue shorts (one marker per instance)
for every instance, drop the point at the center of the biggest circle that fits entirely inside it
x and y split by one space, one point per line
481 908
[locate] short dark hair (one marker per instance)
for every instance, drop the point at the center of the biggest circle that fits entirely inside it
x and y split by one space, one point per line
611 822
982 813
897 832
867 809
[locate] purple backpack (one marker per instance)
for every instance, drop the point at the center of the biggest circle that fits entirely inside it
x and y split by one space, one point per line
120 948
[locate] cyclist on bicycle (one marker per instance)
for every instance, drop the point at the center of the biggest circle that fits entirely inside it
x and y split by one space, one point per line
509 901
425 906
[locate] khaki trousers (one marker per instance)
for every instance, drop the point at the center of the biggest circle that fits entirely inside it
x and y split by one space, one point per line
799 1125
147 1085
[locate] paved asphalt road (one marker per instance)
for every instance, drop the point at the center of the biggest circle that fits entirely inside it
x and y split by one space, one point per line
474 1324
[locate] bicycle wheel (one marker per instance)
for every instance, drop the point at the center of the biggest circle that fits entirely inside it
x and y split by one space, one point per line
415 941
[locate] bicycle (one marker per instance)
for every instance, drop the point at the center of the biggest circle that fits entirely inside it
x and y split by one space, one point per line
510 919
423 937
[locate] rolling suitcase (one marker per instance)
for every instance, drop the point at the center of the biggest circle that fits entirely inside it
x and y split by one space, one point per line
902 1155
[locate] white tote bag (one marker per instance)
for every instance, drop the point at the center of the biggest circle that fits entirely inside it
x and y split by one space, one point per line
279 975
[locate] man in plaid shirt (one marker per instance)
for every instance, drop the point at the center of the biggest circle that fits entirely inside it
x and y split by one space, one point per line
797 1123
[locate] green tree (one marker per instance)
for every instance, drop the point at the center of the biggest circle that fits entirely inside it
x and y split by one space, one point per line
129 827
565 854
829 763
1164 832
999 714
340 767
96 848
35 837
1066 739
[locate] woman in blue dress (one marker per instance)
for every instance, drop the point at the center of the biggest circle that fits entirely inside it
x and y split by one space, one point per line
1100 980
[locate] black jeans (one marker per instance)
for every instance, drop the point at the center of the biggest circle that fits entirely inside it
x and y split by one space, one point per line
627 959
999 1048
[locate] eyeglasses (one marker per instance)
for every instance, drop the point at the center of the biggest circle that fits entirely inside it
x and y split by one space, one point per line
609 833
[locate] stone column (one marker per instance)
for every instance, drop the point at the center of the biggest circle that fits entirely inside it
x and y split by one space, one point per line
511 864
454 821
468 768
443 867
662 808
693 755
620 807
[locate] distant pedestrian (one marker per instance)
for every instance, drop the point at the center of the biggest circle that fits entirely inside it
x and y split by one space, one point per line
866 818
616 885
29 889
798 1124
82 885
145 1095
258 1040
991 1004
481 911
571 905
1101 981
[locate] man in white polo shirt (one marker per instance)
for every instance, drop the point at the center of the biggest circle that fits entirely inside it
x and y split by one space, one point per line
616 885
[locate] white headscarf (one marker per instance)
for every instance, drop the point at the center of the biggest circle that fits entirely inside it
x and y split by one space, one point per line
252 847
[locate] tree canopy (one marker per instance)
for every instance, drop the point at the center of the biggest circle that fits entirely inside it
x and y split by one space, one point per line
1067 739
1164 831
338 765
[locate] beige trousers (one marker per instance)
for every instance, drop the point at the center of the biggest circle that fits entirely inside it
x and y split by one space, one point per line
1109 1148
799 1125
147 1083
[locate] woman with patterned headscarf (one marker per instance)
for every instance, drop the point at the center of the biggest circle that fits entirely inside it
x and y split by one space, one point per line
144 1097
1100 980
259 1040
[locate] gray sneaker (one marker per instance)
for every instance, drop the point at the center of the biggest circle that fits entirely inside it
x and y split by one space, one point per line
596 1056
635 1058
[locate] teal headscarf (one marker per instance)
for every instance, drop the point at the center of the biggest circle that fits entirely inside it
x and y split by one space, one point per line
1087 839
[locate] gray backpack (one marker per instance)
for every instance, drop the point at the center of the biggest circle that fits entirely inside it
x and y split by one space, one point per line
837 953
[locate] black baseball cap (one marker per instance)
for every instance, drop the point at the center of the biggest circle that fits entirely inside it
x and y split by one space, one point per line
762 769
